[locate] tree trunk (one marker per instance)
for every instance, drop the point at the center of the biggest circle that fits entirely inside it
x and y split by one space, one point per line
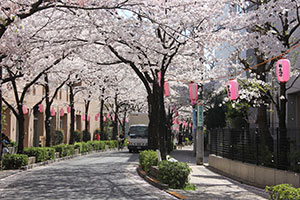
124 122
48 115
21 130
72 125
153 110
284 144
162 126
115 121
87 105
101 117
262 120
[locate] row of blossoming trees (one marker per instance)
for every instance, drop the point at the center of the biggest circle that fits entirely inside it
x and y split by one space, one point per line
127 49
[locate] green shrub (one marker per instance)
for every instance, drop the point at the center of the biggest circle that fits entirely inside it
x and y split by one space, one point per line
102 145
86 136
65 150
76 136
147 159
111 143
50 153
83 147
95 144
283 192
175 174
40 153
14 161
58 137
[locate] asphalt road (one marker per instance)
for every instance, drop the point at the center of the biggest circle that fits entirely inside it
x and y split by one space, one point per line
104 175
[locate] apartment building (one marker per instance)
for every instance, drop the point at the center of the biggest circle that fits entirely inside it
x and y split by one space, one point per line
35 133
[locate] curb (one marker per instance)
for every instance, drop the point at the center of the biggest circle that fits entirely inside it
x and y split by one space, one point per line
158 184
47 162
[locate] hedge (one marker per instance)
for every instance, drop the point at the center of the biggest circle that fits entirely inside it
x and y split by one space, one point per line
175 174
40 153
283 192
14 161
147 159
65 149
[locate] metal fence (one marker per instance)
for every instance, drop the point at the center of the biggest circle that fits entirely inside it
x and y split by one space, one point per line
271 148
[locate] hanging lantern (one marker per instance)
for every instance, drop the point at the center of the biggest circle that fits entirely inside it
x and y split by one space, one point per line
127 120
232 89
193 89
190 125
96 117
159 77
108 116
41 108
113 117
83 117
24 109
104 119
283 70
166 89
69 109
185 124
53 112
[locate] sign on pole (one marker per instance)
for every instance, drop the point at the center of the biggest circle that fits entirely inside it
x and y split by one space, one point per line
200 113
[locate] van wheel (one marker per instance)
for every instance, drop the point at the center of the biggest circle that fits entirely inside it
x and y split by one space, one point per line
130 150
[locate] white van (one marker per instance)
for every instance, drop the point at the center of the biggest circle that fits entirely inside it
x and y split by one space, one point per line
138 137
138 132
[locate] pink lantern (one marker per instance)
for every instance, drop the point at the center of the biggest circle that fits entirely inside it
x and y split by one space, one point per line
190 125
104 119
69 109
108 115
283 70
127 120
96 118
166 89
233 89
83 117
193 89
159 77
185 124
24 109
53 112
113 117
41 108
61 112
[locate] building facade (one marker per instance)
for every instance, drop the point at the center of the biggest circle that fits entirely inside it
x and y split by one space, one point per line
35 134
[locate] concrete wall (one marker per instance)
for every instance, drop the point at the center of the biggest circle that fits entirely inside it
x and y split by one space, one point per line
252 174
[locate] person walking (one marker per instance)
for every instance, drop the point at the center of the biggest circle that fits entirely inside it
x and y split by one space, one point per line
5 142
121 140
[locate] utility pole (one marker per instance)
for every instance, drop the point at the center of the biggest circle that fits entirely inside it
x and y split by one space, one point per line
199 133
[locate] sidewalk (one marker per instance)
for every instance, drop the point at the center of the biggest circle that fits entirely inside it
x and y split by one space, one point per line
211 185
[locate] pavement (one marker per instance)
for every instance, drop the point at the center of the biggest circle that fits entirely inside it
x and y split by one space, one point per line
210 185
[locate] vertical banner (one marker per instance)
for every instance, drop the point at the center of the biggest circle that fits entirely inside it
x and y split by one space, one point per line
199 114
